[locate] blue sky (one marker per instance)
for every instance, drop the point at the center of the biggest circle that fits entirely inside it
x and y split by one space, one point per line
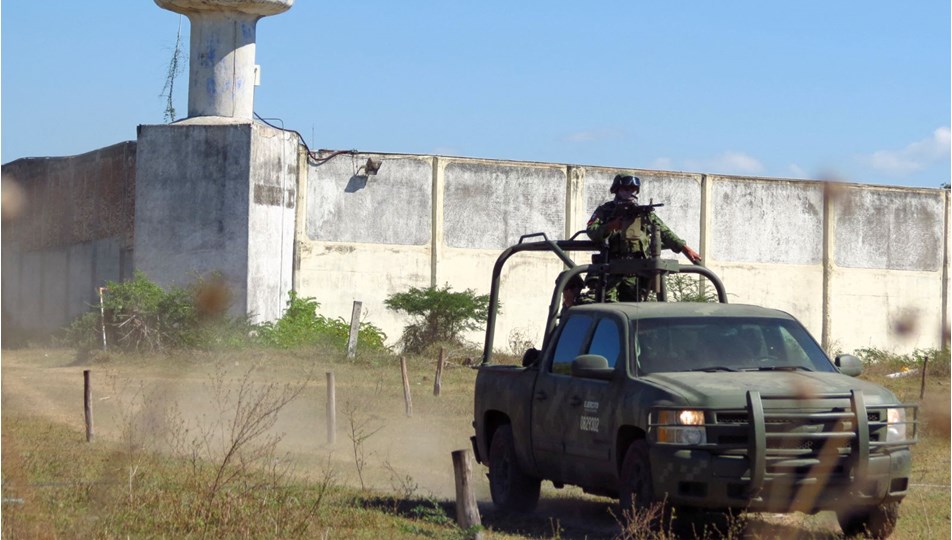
852 90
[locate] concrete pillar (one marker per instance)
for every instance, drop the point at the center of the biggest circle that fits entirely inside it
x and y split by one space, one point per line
830 194
437 242
221 77
704 239
575 217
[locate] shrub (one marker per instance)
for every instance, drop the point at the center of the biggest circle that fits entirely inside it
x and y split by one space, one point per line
137 315
688 288
302 326
140 316
439 315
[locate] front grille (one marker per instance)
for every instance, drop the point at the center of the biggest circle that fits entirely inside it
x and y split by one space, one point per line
789 440
807 430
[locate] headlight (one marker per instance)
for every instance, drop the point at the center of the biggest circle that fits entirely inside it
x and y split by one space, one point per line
895 425
681 427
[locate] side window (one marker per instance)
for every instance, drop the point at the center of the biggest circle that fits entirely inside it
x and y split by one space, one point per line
606 341
792 350
571 340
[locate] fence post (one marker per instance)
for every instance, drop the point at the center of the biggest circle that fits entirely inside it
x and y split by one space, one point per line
354 330
331 409
467 513
406 386
922 385
88 405
438 380
102 315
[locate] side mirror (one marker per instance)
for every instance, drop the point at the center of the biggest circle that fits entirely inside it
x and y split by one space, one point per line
592 366
531 356
848 365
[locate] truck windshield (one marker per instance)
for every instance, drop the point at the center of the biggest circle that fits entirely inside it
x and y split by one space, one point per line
724 344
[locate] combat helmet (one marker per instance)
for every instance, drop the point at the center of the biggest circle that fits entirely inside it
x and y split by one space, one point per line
625 180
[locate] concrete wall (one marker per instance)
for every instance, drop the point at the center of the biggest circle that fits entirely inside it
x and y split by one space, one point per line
72 234
218 198
861 266
890 268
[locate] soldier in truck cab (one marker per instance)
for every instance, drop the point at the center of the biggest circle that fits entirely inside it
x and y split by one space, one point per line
628 235
572 295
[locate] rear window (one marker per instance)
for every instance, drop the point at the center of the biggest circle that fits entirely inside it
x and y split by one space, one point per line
724 344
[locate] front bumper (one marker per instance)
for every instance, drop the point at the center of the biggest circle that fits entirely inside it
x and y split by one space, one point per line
700 479
783 453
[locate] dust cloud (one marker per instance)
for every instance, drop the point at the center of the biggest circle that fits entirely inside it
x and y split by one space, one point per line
161 404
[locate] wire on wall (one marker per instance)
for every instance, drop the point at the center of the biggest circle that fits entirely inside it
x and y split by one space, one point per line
314 158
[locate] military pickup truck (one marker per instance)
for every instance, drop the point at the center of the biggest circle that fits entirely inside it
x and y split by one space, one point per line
709 406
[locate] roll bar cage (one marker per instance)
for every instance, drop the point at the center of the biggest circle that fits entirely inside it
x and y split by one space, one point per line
640 267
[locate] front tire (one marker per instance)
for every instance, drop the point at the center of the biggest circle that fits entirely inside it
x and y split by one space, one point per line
511 488
637 490
875 521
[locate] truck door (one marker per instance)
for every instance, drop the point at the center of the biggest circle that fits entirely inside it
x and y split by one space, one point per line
548 422
588 407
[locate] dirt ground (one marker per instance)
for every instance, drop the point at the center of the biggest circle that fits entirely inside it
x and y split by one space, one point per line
399 451
136 400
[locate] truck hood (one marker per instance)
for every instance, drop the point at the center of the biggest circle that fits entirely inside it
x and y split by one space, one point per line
729 389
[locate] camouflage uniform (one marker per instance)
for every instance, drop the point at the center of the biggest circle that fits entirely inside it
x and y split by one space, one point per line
631 241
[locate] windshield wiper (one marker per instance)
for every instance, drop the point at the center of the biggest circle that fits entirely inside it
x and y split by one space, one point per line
713 368
780 368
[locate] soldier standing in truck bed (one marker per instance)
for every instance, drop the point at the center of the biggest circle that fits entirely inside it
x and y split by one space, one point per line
629 237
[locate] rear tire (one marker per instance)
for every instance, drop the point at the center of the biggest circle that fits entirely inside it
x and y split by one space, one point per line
511 488
874 521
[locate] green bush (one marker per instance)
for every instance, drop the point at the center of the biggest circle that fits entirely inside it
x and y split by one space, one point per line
302 326
139 316
688 288
438 315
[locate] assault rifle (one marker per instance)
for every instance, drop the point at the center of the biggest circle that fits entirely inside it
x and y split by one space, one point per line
632 210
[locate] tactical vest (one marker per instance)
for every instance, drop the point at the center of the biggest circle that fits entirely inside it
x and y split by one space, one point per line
632 240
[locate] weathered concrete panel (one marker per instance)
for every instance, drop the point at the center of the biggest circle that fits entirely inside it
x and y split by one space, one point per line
81 287
271 221
107 259
886 310
30 307
766 221
679 193
70 205
192 202
525 290
56 285
888 228
798 290
338 274
392 207
11 260
74 199
52 297
490 205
